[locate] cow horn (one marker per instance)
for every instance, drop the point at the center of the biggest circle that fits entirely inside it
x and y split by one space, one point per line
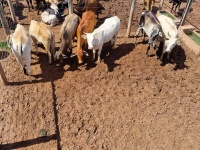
85 53
73 55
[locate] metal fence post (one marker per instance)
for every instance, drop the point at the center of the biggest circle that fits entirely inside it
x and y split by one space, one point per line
6 31
4 21
70 6
186 12
130 17
3 76
161 4
12 11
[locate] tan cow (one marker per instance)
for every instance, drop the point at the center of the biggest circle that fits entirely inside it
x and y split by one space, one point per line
87 24
42 33
150 4
67 34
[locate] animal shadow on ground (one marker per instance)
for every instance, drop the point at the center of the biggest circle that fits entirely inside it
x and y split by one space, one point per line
176 57
19 11
181 11
50 73
11 23
26 143
109 55
100 21
155 9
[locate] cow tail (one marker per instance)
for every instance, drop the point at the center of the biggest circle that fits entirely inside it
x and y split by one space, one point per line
52 45
142 20
20 50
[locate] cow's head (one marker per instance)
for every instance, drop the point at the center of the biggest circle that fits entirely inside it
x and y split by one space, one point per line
9 40
91 40
156 34
171 43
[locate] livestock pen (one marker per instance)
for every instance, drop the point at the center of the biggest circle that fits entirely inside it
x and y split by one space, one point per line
127 101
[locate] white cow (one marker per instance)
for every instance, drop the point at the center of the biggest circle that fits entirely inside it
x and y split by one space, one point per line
21 44
171 34
51 16
106 32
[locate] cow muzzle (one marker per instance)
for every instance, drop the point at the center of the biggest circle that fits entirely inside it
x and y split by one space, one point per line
90 47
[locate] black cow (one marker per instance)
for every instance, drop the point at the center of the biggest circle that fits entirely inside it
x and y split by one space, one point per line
176 3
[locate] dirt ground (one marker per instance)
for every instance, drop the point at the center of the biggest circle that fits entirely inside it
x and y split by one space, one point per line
126 102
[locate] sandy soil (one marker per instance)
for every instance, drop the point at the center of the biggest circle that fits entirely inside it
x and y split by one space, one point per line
127 102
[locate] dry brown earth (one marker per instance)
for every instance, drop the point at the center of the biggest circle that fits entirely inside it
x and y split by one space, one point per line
127 102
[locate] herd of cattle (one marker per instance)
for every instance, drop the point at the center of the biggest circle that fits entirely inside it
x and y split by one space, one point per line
161 30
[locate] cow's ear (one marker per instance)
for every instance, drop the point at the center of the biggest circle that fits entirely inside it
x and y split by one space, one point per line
169 35
84 36
96 36
8 37
160 34
155 33
178 43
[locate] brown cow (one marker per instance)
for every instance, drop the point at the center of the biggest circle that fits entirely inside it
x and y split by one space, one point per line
87 24
92 5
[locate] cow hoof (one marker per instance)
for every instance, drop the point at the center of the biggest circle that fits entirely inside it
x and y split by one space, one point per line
72 55
80 62
64 56
57 65
85 53
98 61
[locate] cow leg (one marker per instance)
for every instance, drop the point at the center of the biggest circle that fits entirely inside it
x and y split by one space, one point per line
152 4
161 57
35 44
176 8
28 63
172 6
137 33
38 6
148 5
143 36
99 55
28 5
143 5
93 57
48 49
114 40
168 55
45 4
60 52
148 48
163 51
31 4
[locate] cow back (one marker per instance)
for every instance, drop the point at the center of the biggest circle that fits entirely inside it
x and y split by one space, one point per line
40 31
69 26
92 5
20 35
168 26
148 21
